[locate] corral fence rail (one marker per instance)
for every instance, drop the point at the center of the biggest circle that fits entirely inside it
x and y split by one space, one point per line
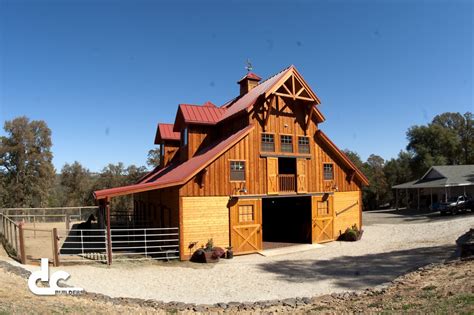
12 238
37 216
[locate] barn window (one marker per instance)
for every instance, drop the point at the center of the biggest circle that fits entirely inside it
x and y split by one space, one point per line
286 143
328 171
246 213
303 145
268 142
323 208
237 170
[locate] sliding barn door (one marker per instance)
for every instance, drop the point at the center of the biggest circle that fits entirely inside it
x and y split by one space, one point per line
322 212
246 226
301 170
272 176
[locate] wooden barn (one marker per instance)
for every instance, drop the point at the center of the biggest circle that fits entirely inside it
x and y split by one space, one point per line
253 171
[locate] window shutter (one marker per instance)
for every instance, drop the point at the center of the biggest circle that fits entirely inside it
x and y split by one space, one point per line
272 176
301 176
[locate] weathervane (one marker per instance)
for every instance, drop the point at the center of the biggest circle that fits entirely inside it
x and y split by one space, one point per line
249 66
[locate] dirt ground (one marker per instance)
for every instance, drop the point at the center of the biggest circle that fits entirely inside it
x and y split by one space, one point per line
443 288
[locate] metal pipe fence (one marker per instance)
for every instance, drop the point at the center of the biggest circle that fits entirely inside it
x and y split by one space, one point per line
126 244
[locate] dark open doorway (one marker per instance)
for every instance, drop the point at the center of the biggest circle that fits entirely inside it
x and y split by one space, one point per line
286 165
286 220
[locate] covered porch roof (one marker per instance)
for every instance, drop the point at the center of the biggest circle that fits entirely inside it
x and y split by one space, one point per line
441 177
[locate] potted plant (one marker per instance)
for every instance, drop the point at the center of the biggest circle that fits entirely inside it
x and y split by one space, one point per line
229 253
209 252
352 234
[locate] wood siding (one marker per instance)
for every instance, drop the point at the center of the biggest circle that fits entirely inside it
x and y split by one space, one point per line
170 150
204 218
288 120
347 209
159 207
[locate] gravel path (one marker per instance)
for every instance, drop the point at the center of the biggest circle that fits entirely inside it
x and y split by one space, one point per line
386 251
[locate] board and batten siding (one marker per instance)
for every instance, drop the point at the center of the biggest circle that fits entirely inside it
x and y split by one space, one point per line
216 179
347 211
203 218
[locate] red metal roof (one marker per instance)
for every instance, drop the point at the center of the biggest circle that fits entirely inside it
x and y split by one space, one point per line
251 76
165 132
251 97
201 114
207 114
209 104
174 175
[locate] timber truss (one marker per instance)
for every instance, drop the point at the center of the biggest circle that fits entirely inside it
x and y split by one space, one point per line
291 90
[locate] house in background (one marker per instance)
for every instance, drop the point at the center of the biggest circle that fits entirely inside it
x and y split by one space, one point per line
257 169
437 185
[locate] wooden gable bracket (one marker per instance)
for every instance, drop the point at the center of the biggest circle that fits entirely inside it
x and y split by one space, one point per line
270 102
200 178
293 94
350 175
309 116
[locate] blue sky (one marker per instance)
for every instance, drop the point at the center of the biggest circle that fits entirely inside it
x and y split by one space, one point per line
102 74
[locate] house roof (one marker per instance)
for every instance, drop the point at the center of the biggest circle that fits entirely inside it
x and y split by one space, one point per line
178 174
197 114
165 132
209 114
251 76
342 156
247 100
442 176
264 88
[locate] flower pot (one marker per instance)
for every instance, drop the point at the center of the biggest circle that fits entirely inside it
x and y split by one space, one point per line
229 254
210 257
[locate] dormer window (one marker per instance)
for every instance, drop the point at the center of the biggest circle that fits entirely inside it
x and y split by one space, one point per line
184 137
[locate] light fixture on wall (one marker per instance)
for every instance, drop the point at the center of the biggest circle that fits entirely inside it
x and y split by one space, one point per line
243 190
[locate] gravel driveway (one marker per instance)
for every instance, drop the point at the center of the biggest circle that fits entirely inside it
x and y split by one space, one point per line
392 245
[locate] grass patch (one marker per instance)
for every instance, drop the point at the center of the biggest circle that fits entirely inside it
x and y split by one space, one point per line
429 288
375 304
406 307
464 300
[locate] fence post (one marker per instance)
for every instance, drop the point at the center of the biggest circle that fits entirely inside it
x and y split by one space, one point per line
55 247
146 251
11 231
16 239
68 222
82 244
22 243
109 233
